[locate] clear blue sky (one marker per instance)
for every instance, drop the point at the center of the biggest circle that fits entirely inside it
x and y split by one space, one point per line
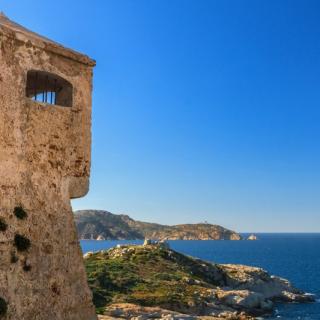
202 110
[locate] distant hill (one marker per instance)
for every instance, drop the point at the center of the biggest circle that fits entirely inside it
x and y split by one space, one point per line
97 224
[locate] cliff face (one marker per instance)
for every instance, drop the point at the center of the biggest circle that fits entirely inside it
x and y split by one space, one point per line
94 224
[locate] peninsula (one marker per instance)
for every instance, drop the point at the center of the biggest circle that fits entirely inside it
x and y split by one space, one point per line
151 281
103 225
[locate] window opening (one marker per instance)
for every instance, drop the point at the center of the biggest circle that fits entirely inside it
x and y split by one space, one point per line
48 88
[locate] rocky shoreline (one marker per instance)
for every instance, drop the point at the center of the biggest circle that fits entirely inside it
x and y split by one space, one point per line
152 281
136 312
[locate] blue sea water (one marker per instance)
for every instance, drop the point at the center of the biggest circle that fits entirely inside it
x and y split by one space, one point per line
292 256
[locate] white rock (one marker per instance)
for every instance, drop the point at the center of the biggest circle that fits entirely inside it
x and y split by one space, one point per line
88 254
147 242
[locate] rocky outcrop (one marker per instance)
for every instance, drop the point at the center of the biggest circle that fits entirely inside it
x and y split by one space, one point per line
258 280
162 243
136 312
139 281
92 224
252 237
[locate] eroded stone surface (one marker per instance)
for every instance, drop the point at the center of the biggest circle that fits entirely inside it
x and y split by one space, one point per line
44 161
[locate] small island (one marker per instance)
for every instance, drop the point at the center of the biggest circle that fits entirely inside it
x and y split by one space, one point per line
154 281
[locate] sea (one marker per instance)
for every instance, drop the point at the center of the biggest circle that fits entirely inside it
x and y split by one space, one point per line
295 257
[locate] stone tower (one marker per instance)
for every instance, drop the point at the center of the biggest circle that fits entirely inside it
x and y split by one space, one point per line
45 137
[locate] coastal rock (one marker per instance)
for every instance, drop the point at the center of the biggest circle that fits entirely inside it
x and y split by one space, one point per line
252 237
245 300
88 254
258 280
133 312
146 242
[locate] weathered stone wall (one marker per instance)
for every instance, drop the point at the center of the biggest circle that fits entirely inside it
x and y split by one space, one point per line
44 161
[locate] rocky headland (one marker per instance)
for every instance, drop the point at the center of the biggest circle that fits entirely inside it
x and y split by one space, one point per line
152 281
103 225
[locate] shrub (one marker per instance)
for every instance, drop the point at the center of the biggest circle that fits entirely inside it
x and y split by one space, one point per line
167 276
21 243
26 267
13 258
20 213
3 307
3 225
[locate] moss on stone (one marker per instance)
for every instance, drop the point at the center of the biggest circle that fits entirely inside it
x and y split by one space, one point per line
26 267
21 242
20 213
3 225
3 307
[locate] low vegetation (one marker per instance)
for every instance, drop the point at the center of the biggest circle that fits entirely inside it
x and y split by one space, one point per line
3 307
156 277
152 275
13 258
